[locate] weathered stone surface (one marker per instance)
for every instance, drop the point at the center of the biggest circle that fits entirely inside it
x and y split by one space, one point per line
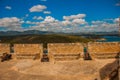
71 51
65 51
65 48
28 48
4 48
103 47
67 70
27 51
102 50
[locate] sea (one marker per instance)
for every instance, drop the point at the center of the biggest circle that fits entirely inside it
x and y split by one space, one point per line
111 38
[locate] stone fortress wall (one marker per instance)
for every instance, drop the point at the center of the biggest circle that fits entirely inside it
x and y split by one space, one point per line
104 49
4 48
63 51
28 50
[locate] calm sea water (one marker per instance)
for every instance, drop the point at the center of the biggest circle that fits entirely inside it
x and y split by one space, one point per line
112 38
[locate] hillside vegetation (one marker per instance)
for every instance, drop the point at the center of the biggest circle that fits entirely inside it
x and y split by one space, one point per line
43 39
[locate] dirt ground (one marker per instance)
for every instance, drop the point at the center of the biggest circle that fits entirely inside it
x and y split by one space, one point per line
65 70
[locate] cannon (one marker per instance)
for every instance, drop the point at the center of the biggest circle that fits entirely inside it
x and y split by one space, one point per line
45 58
5 57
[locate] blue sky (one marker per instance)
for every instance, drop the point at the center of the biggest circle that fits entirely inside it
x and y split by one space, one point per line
60 15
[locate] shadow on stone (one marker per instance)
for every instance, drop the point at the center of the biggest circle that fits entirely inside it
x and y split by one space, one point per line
110 71
6 57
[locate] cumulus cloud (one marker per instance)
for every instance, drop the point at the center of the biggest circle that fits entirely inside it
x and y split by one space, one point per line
117 20
28 22
97 22
10 23
38 18
74 24
103 26
49 23
79 21
47 12
6 22
8 7
32 23
66 22
49 19
37 8
78 16
52 24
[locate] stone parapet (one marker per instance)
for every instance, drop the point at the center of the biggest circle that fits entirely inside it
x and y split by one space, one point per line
65 51
104 49
26 51
4 48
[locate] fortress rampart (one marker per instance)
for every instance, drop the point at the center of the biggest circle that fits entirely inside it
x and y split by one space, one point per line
4 48
28 50
63 51
104 49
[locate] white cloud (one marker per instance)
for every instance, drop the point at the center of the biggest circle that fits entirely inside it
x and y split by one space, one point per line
79 21
103 26
75 24
37 8
6 22
97 22
47 12
66 23
49 19
22 21
32 23
38 18
52 24
8 7
49 23
117 20
78 16
10 23
28 22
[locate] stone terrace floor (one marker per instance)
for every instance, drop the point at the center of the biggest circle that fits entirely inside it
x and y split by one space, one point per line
66 70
